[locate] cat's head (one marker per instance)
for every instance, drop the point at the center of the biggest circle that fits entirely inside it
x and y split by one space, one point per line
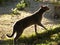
44 8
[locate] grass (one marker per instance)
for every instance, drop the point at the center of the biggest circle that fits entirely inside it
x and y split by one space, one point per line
50 37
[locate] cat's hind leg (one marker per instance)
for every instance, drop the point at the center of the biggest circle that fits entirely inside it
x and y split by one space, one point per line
16 38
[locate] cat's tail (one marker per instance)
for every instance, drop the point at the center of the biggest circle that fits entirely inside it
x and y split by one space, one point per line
11 35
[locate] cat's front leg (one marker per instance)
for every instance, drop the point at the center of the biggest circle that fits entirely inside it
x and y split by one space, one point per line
42 26
35 28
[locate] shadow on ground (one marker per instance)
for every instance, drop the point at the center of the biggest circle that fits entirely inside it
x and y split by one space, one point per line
7 7
41 38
